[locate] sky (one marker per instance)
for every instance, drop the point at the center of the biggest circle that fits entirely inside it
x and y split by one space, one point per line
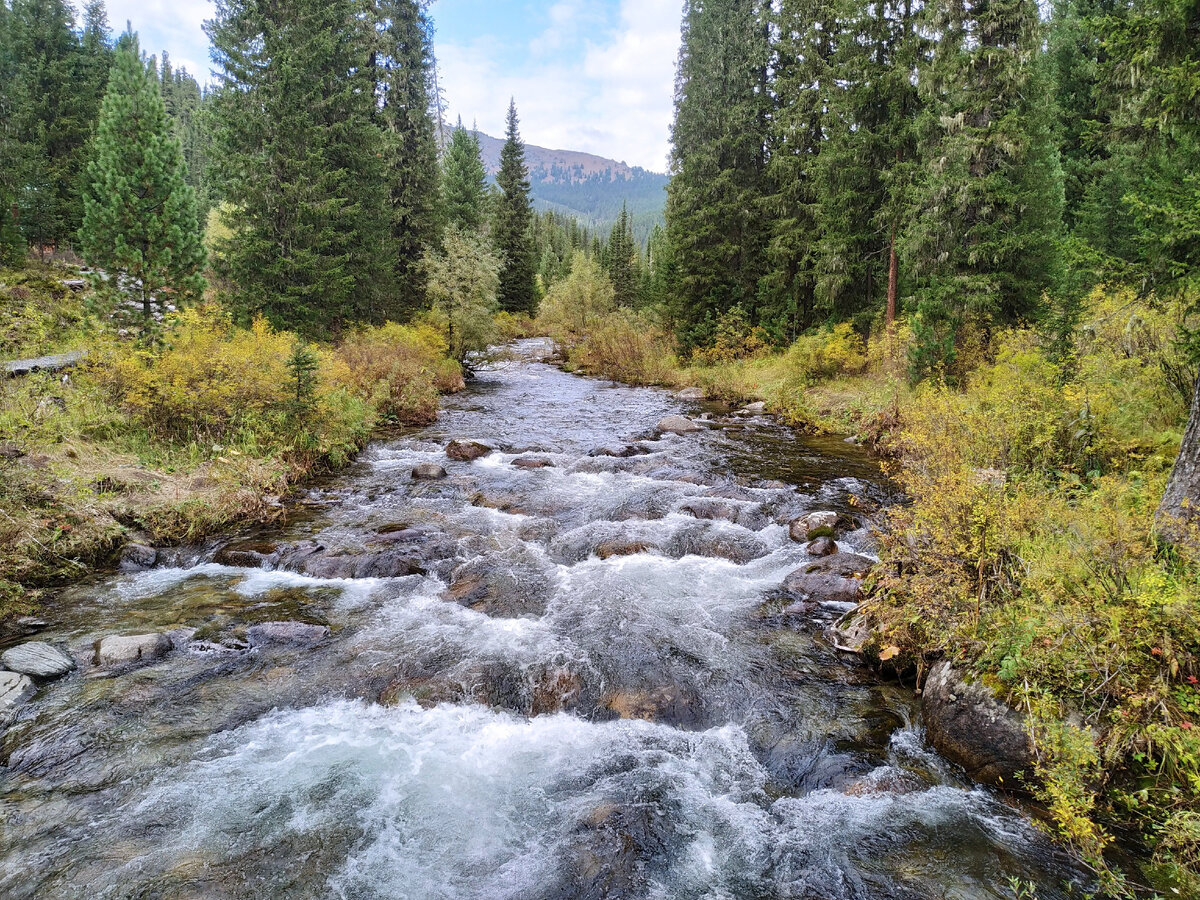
591 75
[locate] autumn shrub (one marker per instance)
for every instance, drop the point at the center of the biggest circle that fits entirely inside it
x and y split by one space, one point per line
397 369
577 304
626 347
730 338
514 326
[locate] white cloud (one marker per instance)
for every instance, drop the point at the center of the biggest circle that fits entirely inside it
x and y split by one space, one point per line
610 93
172 25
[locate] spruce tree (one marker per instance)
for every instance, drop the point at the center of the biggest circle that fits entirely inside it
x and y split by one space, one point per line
139 219
300 159
464 181
406 85
987 217
12 244
513 218
621 260
718 162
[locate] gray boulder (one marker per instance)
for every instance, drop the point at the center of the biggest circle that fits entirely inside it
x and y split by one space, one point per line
428 472
118 649
967 724
136 557
15 689
822 546
465 451
832 579
677 425
38 659
812 526
299 634
692 393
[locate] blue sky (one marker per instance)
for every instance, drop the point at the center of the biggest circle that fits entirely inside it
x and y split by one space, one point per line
593 75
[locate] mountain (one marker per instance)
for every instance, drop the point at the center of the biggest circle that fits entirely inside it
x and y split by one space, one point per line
591 188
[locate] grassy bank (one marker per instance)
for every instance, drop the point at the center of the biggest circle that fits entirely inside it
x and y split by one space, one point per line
1027 554
202 429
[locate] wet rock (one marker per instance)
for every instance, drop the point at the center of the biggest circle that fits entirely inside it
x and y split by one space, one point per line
557 689
466 451
528 463
621 452
967 724
851 632
610 849
822 546
812 526
297 634
669 704
749 517
677 425
248 554
15 689
181 638
117 649
505 584
38 659
393 562
31 624
428 472
847 565
832 579
136 557
609 549
692 393
736 545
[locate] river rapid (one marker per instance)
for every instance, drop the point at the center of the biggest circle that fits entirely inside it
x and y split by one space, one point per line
587 685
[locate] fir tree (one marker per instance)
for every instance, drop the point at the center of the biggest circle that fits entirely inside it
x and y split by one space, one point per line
621 260
513 218
139 218
718 161
406 85
12 244
300 159
464 181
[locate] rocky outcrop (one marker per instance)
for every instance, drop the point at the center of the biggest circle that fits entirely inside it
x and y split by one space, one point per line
15 689
833 579
812 526
427 472
677 425
119 649
967 724
822 546
38 659
466 451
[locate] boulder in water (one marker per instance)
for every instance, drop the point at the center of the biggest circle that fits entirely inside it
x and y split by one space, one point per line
251 554
300 634
822 546
117 649
15 689
691 393
137 557
677 425
609 549
38 659
812 526
466 451
532 463
832 579
967 724
427 472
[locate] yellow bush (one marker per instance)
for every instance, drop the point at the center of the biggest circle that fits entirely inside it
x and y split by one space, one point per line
733 339
828 353
626 347
395 368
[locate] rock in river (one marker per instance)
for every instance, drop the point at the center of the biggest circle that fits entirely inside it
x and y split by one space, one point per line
299 634
15 689
465 451
116 649
832 579
38 659
812 526
966 723
136 557
428 471
677 425
822 546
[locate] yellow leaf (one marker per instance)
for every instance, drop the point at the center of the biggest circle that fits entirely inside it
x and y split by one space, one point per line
889 652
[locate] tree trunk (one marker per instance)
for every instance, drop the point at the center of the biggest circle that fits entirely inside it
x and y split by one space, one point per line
1178 516
893 281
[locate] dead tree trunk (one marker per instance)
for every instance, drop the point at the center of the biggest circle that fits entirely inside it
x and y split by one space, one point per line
1178 516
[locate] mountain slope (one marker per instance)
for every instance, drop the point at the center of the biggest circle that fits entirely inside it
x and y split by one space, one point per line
591 188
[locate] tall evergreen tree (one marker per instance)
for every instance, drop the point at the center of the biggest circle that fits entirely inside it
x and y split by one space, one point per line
406 85
300 159
718 161
464 180
513 218
12 244
621 260
987 219
139 217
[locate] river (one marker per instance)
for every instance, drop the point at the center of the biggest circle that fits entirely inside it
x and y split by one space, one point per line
587 687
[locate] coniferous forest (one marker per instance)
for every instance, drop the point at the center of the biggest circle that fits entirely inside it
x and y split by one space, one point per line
962 235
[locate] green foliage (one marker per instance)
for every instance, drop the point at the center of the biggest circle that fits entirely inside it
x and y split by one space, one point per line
626 346
512 224
463 280
578 303
139 220
464 181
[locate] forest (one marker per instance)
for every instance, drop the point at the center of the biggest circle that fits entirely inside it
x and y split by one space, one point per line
964 232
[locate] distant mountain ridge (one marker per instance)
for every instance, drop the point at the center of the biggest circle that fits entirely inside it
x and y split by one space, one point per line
589 187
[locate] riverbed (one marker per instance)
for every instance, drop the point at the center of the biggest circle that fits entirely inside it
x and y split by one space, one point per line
565 670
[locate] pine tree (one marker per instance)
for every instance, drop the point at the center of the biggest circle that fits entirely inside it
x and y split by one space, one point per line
406 86
513 218
300 159
621 260
987 218
12 244
139 217
464 181
718 161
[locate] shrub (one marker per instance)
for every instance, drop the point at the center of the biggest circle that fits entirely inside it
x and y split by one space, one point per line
395 369
625 346
576 304
733 338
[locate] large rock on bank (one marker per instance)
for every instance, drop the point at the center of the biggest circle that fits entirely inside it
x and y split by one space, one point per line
967 724
38 659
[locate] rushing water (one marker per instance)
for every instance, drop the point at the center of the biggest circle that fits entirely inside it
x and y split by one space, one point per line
521 718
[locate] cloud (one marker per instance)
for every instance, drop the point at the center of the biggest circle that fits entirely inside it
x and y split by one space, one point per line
604 90
172 25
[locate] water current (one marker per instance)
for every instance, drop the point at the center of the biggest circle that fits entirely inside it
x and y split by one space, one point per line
582 683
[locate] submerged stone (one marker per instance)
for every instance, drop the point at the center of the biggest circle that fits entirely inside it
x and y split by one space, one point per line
15 689
428 472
